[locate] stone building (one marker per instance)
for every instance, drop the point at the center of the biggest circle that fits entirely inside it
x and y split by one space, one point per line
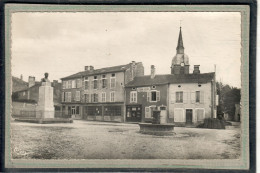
98 94
184 98
192 97
26 95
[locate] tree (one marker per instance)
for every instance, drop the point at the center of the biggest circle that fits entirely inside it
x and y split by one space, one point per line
228 97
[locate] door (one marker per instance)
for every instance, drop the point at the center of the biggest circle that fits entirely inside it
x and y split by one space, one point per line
163 115
134 113
188 116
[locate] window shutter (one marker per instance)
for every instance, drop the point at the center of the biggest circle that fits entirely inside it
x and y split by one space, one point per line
201 97
193 95
62 96
173 97
185 97
148 96
158 96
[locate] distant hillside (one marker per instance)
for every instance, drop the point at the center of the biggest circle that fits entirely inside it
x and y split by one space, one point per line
18 84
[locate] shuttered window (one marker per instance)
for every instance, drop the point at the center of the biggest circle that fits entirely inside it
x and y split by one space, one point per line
179 97
179 115
153 96
133 97
200 114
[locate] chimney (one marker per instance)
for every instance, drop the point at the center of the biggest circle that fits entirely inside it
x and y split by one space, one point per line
21 77
152 71
91 68
31 81
54 83
196 69
86 68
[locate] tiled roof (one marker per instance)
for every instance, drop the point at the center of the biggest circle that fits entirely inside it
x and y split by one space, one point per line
99 71
18 84
170 78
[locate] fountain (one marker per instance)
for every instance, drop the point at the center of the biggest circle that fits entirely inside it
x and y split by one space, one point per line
158 125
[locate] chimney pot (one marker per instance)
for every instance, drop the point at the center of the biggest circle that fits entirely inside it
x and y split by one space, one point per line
91 68
86 68
152 71
196 69
31 81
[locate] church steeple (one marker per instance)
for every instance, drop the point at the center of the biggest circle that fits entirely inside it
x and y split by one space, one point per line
180 48
180 62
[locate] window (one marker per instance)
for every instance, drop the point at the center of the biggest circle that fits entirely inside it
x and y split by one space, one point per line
86 84
112 110
153 96
66 84
197 96
68 96
94 110
73 83
113 81
95 82
103 97
179 97
133 97
70 83
79 83
63 97
63 84
77 95
147 112
86 98
94 97
112 96
104 81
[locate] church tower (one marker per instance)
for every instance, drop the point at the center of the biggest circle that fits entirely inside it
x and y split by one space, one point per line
180 62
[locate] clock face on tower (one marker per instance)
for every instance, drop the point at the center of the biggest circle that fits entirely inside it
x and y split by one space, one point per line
182 64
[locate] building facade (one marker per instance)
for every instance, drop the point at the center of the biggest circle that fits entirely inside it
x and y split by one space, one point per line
183 98
145 94
192 96
98 94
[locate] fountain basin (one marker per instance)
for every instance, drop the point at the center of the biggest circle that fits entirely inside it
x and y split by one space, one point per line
156 129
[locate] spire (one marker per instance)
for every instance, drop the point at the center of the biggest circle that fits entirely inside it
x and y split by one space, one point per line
180 48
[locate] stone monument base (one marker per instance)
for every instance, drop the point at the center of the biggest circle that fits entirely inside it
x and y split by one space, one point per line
44 112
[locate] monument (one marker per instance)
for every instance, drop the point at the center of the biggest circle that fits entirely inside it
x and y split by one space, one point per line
45 107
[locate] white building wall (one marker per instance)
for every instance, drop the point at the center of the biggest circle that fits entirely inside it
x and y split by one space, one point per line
200 111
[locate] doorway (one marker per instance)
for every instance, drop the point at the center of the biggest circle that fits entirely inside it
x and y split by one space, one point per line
189 116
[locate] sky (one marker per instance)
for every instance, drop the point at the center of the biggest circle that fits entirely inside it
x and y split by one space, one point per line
62 43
